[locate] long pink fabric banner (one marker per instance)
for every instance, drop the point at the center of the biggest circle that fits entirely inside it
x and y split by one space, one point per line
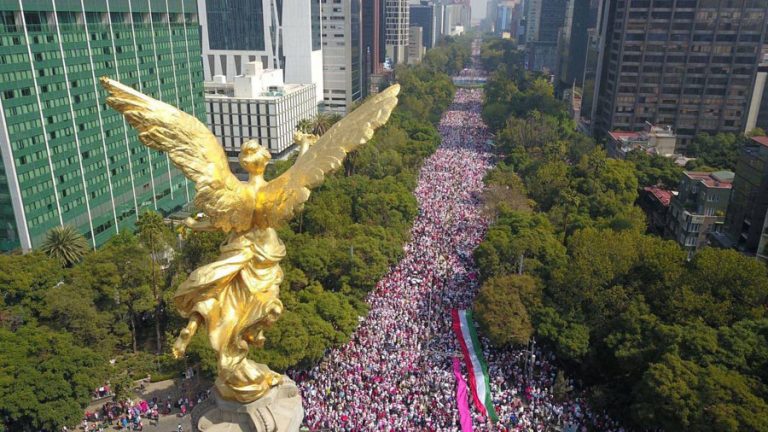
461 397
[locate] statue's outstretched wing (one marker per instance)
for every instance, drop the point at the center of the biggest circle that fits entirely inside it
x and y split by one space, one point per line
286 194
193 149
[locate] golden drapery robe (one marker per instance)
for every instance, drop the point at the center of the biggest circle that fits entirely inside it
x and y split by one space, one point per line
237 297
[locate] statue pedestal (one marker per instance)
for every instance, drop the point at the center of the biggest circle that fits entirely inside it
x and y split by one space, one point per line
280 410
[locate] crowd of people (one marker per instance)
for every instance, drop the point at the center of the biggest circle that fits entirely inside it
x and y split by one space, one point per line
395 373
133 414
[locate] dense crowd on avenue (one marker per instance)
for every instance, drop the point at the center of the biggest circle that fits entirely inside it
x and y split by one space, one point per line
395 372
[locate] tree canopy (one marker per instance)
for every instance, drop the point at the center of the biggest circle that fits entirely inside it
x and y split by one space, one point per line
659 340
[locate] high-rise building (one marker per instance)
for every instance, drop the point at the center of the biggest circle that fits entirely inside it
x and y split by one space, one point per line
749 202
479 11
373 47
505 17
532 14
67 159
456 18
396 23
584 13
415 45
423 15
689 64
283 35
548 27
757 114
342 54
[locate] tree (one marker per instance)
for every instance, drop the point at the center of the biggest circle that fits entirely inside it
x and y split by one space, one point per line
200 247
569 338
519 242
46 379
323 121
676 394
561 387
65 244
500 311
304 125
723 287
720 151
655 170
155 236
25 281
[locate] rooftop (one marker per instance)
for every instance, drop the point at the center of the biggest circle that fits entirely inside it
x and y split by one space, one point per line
663 195
717 179
284 90
643 135
763 140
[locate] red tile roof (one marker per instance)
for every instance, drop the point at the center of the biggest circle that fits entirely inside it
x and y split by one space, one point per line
708 179
761 140
621 135
664 196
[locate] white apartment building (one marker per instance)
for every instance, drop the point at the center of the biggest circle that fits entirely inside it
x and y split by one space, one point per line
257 105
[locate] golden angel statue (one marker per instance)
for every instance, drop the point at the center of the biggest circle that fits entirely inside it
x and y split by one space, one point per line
236 297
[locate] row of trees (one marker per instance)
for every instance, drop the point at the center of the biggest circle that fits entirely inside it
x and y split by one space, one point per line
658 340
65 311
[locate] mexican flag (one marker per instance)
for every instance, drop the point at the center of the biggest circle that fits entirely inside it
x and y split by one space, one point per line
464 327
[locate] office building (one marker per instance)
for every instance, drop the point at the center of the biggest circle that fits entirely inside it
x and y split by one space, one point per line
257 105
67 159
456 19
479 11
689 64
698 209
282 35
548 25
373 48
396 23
749 202
757 116
762 247
584 18
342 54
415 45
508 17
423 15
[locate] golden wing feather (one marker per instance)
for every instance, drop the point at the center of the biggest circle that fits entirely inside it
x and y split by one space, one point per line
193 149
287 193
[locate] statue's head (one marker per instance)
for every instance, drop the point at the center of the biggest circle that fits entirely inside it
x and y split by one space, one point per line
254 157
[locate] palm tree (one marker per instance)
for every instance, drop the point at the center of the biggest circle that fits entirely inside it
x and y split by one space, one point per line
323 122
305 125
65 244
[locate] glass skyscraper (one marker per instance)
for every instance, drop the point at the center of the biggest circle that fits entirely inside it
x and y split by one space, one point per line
67 158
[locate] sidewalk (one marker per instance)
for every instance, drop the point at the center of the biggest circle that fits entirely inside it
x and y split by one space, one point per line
161 390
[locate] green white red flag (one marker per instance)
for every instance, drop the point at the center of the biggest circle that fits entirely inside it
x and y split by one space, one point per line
464 327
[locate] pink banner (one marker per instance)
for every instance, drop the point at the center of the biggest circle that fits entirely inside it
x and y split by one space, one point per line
461 397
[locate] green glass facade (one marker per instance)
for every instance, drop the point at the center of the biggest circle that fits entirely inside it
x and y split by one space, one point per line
67 157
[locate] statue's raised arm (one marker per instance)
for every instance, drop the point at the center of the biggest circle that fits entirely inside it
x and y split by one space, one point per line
285 195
